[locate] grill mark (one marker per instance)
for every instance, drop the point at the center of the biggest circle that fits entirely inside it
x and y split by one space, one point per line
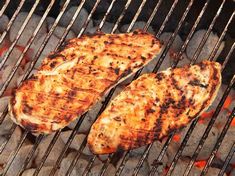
31 126
27 109
159 76
196 82
63 46
55 55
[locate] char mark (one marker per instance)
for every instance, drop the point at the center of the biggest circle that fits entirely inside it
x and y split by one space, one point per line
196 82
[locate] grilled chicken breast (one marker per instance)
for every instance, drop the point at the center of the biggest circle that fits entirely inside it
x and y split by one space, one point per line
77 75
153 106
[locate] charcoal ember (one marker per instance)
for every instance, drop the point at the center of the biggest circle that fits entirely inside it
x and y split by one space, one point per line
226 145
152 157
103 157
220 93
175 47
207 48
106 28
50 46
79 22
5 132
43 172
214 171
3 103
183 61
50 21
54 154
77 141
97 168
4 20
77 170
138 151
137 25
131 164
5 73
193 142
29 30
180 167
19 161
59 31
169 58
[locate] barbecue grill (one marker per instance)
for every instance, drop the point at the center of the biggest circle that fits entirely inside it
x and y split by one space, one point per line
227 25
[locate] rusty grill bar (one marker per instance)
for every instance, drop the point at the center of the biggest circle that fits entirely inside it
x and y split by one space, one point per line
109 96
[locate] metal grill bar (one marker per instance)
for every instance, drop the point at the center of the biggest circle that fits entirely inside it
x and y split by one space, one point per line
221 38
31 153
12 157
121 16
21 57
136 15
11 21
70 24
105 16
228 56
190 34
17 37
87 169
161 154
4 7
207 34
105 166
88 18
167 18
227 160
8 138
156 8
218 143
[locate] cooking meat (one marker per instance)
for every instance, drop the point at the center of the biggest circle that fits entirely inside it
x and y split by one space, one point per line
153 106
77 75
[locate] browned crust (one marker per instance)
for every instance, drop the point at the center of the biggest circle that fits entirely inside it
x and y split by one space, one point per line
77 75
180 97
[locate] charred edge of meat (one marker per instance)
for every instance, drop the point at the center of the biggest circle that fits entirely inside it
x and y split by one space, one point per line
55 55
126 72
30 126
159 76
63 46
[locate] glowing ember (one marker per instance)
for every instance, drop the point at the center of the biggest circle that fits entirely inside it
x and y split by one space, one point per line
205 116
176 137
233 122
227 103
200 164
6 44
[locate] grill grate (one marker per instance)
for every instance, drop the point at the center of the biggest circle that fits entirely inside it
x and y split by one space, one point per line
126 155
